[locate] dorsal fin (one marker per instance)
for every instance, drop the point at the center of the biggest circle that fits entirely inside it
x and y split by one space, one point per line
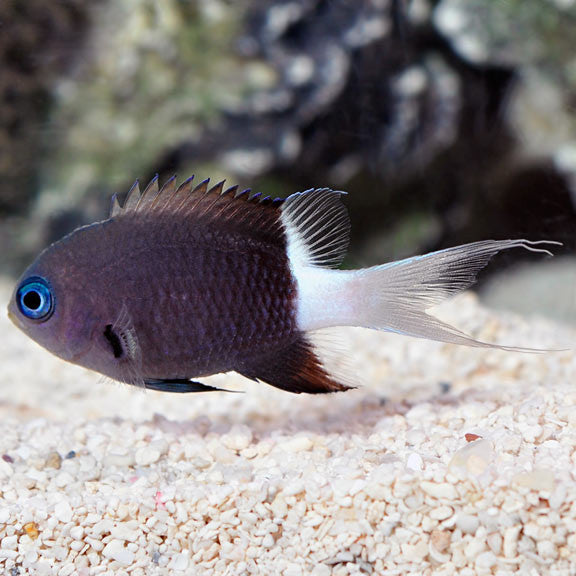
317 226
203 203
183 198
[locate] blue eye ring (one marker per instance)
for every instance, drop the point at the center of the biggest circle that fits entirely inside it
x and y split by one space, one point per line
34 299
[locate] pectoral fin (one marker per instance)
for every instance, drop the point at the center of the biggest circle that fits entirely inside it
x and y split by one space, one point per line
181 386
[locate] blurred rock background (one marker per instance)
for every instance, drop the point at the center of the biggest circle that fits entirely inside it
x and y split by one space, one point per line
448 121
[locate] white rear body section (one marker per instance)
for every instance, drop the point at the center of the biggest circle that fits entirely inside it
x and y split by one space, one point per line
395 297
328 298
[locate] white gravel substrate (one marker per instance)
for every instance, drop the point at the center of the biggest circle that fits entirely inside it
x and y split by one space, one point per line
448 460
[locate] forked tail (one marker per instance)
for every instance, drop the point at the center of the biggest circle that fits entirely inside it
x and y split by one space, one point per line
396 296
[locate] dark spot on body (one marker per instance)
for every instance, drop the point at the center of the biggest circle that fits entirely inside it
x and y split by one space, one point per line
114 341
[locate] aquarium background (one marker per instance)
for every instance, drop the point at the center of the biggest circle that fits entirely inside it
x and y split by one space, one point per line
446 121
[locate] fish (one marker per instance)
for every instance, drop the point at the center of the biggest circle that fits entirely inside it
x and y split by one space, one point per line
183 281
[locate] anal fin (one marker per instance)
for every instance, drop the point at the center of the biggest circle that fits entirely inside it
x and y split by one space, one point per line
296 368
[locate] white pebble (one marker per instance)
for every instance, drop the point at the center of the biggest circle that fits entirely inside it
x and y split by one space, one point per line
9 543
201 463
279 506
96 544
120 460
8 553
441 513
63 511
298 444
473 458
295 487
293 570
77 545
495 543
124 531
101 527
474 549
268 541
67 570
467 523
443 491
147 455
417 551
179 562
116 550
77 532
31 557
546 549
238 439
486 560
414 462
321 570
537 479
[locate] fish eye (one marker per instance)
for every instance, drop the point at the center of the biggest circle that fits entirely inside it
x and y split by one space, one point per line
34 299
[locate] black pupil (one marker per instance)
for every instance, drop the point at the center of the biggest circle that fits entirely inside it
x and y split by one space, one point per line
32 300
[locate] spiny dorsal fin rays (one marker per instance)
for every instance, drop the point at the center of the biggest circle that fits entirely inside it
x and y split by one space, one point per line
132 199
317 226
147 197
184 197
244 194
218 188
115 208
219 202
202 188
188 205
165 195
231 191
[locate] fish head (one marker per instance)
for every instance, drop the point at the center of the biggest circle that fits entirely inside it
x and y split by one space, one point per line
56 303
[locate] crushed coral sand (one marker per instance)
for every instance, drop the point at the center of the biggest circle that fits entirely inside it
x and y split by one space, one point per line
448 460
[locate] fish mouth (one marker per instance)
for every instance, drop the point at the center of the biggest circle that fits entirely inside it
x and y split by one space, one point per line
13 317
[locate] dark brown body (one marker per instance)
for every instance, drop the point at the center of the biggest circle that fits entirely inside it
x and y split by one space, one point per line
199 304
200 300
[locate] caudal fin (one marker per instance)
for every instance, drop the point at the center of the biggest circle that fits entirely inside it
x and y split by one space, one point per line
396 297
